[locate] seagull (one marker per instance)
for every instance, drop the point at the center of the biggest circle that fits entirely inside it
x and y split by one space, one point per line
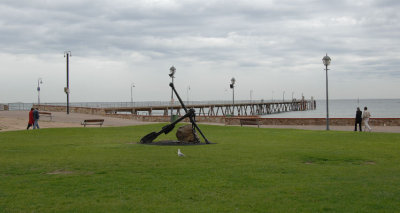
180 154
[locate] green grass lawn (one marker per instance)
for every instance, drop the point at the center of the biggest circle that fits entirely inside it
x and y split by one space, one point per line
248 170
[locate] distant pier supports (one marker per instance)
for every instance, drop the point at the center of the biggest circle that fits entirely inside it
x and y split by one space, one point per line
242 109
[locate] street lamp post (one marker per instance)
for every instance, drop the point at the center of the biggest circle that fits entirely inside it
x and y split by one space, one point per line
327 60
283 96
132 85
67 54
39 81
292 96
251 96
187 94
172 71
272 95
232 85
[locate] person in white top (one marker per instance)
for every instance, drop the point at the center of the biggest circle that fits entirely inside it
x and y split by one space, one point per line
366 115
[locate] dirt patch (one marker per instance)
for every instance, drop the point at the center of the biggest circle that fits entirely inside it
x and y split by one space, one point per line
308 162
369 162
174 143
67 172
60 172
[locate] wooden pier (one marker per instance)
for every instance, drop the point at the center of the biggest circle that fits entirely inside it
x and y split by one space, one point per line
225 109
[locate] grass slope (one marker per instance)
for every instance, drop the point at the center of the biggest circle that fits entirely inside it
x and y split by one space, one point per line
248 170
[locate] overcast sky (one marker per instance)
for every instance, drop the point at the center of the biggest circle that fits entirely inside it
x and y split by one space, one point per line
268 46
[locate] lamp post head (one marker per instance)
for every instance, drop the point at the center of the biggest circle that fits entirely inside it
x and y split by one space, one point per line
67 53
172 71
38 84
232 85
326 60
233 80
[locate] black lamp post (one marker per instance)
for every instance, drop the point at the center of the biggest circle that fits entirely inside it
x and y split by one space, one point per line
67 54
171 74
232 85
327 60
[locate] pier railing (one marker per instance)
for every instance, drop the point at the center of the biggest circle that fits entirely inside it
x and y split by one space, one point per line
27 106
241 108
202 108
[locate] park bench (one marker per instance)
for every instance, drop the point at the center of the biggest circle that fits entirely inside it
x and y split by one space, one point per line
46 114
93 122
250 121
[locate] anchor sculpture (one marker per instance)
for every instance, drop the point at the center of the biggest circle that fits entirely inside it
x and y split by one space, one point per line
191 114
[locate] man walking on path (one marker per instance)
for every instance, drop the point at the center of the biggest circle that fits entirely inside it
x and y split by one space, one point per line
358 119
36 119
365 116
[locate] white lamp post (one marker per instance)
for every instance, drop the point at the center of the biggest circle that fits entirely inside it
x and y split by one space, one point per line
327 61
187 94
39 81
232 85
132 86
272 95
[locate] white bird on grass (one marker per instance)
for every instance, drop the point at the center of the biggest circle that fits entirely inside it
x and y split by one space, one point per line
180 154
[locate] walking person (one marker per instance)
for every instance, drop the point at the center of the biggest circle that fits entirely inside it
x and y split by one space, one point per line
358 119
36 119
365 117
30 121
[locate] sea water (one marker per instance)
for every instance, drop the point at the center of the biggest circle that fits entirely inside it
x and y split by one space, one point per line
379 108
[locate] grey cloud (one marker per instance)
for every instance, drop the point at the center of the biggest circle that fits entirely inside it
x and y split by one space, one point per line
274 35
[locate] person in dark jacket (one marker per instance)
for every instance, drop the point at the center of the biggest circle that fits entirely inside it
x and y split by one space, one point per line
358 119
36 119
30 121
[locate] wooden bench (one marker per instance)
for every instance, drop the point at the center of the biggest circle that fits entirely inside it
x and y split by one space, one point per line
250 121
46 114
93 122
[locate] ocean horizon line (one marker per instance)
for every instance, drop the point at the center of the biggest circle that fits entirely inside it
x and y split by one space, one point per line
238 100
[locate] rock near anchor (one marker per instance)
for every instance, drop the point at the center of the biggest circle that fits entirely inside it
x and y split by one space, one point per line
185 133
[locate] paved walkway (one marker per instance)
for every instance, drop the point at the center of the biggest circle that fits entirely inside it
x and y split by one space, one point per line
394 129
18 120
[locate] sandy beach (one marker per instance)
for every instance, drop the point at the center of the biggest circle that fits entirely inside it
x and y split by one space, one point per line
17 120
